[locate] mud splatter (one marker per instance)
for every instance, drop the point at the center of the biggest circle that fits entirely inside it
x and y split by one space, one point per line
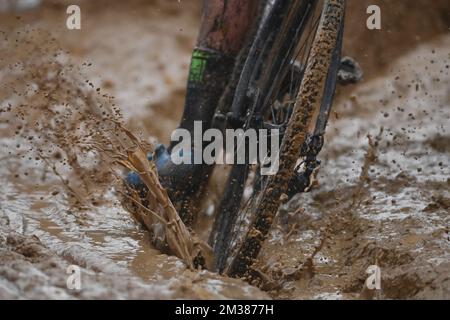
61 208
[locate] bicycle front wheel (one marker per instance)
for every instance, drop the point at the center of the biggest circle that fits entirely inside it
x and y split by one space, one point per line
313 93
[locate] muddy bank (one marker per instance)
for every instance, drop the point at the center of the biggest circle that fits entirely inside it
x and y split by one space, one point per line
28 270
385 204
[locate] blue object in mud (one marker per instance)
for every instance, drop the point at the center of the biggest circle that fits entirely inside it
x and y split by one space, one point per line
160 156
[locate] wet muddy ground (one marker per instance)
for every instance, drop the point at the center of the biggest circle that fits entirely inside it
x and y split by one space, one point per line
380 201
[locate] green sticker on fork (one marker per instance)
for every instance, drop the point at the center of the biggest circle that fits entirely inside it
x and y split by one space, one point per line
198 65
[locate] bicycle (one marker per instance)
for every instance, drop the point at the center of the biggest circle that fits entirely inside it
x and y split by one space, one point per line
284 79
275 92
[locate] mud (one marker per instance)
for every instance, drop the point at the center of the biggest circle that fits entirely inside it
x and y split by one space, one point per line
384 202
302 115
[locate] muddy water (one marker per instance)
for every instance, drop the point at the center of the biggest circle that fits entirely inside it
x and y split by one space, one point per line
386 204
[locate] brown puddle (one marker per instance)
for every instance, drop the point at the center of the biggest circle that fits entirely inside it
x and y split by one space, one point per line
394 215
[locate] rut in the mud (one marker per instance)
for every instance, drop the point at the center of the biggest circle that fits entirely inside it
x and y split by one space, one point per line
58 204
